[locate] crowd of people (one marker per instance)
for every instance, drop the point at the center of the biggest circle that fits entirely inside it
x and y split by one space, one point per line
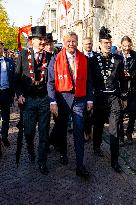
91 88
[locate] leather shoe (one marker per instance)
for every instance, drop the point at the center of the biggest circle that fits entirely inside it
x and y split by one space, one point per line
64 159
82 172
98 152
43 169
116 167
5 142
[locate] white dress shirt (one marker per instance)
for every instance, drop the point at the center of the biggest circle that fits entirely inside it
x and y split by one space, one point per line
4 83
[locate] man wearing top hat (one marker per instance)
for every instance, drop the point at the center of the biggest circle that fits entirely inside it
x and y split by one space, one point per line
109 95
31 90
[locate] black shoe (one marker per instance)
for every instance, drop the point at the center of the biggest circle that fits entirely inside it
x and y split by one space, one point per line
64 159
98 152
116 167
129 139
43 169
6 142
82 172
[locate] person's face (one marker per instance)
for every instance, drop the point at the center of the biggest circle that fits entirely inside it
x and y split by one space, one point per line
87 45
105 46
126 47
1 50
49 46
38 43
70 43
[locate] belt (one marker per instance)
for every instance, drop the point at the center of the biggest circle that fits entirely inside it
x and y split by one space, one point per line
108 91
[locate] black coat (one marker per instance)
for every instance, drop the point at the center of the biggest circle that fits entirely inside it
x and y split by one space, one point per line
115 80
23 81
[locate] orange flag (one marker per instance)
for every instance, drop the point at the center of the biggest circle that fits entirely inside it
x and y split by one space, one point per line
26 31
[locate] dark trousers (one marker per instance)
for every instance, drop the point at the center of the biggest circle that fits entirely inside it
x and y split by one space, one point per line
77 112
35 110
88 122
107 107
53 138
131 113
5 102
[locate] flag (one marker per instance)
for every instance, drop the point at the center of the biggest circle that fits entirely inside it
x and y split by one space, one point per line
64 7
67 5
26 31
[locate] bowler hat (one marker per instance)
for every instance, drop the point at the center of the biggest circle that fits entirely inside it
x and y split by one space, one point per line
49 37
38 31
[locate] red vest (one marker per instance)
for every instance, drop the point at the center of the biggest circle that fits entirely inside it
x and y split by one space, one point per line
63 81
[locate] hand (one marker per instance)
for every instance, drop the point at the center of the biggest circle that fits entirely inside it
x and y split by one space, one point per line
124 104
89 106
126 74
21 100
54 109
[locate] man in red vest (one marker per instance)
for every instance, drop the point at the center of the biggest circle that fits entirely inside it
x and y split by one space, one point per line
70 92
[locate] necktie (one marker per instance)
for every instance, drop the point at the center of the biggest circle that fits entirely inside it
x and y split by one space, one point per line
37 57
72 66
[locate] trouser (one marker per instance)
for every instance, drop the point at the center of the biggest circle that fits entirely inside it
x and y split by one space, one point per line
77 112
5 101
131 113
35 110
107 107
88 122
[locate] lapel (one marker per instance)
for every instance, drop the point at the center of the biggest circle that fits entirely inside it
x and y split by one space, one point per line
7 66
32 57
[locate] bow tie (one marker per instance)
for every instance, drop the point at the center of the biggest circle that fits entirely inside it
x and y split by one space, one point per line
89 54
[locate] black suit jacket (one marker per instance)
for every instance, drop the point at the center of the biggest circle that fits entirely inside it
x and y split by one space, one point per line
116 81
22 79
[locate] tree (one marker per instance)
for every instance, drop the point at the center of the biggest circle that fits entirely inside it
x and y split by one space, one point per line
8 34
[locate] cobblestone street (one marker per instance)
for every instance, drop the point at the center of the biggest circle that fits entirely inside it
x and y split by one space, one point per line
26 186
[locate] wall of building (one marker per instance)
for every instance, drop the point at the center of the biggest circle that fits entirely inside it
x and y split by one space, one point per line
86 17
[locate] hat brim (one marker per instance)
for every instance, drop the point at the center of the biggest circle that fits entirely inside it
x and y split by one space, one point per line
36 36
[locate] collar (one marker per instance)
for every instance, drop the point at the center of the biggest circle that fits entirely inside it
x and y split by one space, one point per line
128 55
106 57
86 53
69 55
1 58
35 51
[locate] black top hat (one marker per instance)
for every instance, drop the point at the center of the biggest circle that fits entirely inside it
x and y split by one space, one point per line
104 33
49 37
38 31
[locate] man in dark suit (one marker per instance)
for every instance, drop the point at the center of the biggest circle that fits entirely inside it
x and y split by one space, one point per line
70 91
89 53
107 70
31 89
7 70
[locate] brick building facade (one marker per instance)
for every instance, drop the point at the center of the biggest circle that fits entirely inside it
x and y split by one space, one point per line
85 17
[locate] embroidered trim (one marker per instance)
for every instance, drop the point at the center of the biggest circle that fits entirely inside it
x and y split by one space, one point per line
106 72
32 74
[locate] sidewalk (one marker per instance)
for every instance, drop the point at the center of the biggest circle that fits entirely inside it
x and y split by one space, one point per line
127 152
26 186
